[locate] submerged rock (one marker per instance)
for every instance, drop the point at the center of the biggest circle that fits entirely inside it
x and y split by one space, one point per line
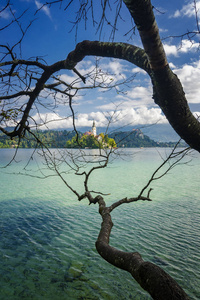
74 272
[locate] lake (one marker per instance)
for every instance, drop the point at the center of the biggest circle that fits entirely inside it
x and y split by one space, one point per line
47 237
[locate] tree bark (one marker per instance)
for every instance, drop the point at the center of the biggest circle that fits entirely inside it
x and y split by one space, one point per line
168 91
169 95
151 278
131 53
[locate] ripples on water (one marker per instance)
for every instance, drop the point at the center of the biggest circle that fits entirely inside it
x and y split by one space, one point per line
48 253
47 244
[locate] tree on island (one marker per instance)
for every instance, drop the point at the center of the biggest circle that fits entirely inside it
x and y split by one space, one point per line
91 140
25 82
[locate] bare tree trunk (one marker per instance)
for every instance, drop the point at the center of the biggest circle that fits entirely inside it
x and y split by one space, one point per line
168 91
151 278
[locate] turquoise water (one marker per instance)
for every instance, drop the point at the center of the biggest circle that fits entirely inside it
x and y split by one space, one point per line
47 237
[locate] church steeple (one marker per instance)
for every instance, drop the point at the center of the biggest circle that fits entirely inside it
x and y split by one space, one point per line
94 131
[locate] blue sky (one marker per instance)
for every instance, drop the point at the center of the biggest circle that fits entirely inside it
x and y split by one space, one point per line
49 37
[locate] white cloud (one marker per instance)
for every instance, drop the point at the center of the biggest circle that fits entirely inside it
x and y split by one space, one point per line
141 93
138 70
177 14
112 66
141 116
44 8
131 97
172 66
189 76
122 117
187 10
197 114
54 121
113 105
103 75
73 80
116 67
136 97
185 47
170 49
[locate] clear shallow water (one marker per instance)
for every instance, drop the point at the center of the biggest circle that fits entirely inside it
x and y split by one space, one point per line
47 238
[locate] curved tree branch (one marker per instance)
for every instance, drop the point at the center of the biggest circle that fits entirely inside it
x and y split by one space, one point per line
125 51
168 91
119 50
168 94
152 278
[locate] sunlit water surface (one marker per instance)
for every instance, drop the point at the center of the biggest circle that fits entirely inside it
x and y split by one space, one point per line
47 237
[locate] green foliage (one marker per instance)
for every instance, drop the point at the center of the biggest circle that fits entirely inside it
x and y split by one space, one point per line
89 141
68 139
10 114
48 138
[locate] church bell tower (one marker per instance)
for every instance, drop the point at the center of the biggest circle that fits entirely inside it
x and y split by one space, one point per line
94 131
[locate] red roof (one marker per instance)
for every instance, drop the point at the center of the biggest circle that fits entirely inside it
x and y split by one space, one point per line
88 133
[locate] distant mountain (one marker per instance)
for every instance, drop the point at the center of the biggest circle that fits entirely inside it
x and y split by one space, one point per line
157 132
58 139
161 133
135 139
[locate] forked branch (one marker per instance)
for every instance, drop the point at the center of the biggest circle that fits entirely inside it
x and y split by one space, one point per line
152 278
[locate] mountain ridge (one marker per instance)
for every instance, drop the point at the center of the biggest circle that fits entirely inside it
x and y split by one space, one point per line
134 138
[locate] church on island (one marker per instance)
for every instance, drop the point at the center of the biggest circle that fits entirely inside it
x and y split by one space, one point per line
93 131
102 139
90 139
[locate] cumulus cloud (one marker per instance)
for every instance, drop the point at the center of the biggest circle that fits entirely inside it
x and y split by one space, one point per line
170 49
113 66
135 97
187 10
138 70
131 99
55 121
189 76
188 45
115 70
141 93
185 47
140 116
102 75
118 118
70 79
172 66
116 67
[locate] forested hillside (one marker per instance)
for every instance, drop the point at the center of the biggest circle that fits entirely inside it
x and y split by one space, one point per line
61 139
49 138
135 139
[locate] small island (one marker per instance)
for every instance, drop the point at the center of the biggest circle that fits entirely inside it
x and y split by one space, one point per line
90 139
134 138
